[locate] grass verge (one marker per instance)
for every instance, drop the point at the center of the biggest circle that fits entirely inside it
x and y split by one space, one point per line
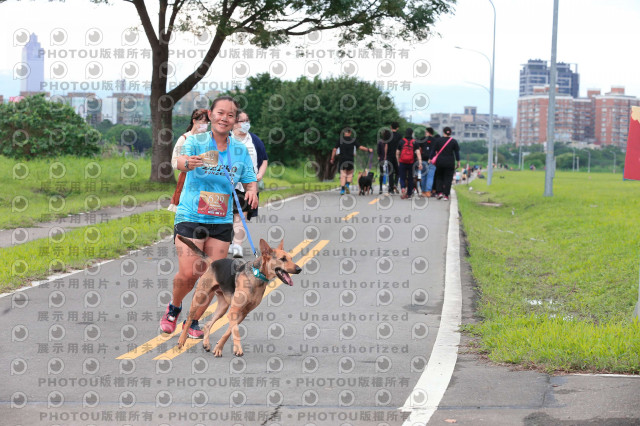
42 190
557 276
81 248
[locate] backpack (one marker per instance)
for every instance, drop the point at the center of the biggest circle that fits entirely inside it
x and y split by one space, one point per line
406 154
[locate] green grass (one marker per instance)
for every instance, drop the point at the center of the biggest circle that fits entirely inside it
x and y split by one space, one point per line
110 187
81 248
58 187
557 276
55 188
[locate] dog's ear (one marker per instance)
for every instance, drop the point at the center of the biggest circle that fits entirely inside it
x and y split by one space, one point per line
264 247
281 245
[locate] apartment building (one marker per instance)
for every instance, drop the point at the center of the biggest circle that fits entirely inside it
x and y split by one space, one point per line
472 126
598 119
612 111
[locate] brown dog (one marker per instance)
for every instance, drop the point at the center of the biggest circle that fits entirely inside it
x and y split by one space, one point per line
239 285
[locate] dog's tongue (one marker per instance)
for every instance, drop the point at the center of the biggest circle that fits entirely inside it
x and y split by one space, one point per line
284 276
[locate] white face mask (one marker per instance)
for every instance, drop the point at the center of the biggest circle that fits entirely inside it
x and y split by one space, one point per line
200 128
245 126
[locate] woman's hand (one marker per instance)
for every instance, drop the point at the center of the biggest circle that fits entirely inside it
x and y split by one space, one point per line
251 197
251 194
194 162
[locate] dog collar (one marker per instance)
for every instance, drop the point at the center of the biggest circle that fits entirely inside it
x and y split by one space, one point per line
258 274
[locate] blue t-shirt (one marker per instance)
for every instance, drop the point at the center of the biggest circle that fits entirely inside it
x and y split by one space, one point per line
212 179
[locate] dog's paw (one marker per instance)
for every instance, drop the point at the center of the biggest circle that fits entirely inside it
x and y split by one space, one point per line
207 346
237 350
217 352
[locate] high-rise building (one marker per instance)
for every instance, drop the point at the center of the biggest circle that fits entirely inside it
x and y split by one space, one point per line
32 56
536 73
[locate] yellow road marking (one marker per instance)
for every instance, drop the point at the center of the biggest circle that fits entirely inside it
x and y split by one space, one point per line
375 200
162 338
350 215
174 351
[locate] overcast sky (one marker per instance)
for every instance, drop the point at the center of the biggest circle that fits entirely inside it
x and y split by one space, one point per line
600 37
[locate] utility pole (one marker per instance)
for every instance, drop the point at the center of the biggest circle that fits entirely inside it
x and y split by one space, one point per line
491 88
550 169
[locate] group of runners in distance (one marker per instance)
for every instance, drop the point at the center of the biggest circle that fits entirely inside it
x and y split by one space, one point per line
411 165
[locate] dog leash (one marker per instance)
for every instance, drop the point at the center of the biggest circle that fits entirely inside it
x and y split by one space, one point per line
235 196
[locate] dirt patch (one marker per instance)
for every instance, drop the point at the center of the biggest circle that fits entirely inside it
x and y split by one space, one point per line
491 204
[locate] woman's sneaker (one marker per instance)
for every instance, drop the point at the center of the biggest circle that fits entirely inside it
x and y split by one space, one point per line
195 332
169 319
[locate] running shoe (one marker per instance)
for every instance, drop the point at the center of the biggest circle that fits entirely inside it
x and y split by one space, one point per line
169 319
195 332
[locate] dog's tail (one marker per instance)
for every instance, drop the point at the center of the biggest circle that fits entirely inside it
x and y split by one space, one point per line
193 247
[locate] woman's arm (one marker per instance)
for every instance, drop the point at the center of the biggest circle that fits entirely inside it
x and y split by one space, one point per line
262 170
177 151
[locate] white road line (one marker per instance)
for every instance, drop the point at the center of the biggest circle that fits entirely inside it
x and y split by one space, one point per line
432 384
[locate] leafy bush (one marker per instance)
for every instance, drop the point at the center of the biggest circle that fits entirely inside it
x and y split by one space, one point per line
36 127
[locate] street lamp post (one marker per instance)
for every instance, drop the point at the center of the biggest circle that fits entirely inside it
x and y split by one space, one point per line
493 65
491 90
550 169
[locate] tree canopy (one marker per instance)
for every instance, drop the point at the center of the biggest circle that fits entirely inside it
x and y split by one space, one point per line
266 23
304 119
36 127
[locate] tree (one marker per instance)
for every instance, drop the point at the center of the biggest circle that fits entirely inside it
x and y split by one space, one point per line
305 119
266 23
35 127
137 138
538 159
179 125
258 92
104 126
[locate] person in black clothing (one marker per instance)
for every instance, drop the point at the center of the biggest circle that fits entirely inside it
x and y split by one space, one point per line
384 155
448 159
347 145
425 145
396 137
406 163
432 135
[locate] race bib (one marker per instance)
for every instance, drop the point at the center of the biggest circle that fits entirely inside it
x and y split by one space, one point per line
213 204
